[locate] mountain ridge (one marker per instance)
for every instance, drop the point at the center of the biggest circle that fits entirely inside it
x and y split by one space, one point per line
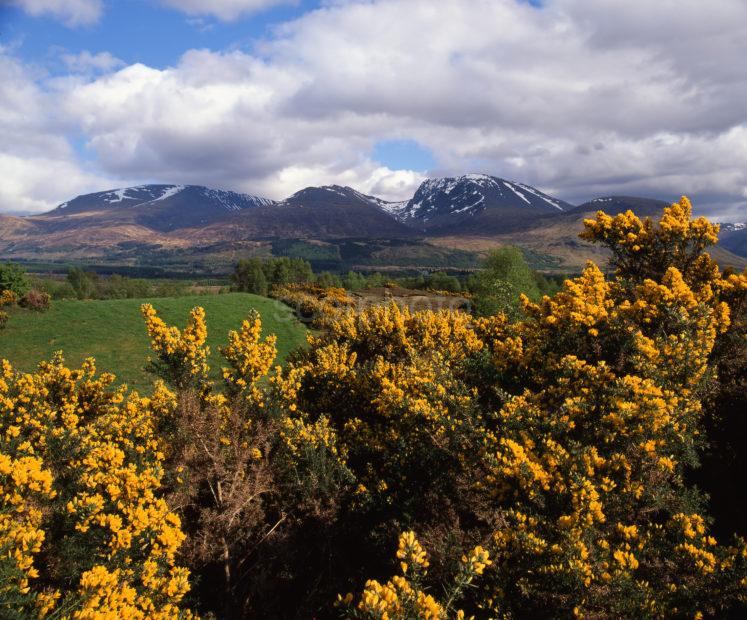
467 211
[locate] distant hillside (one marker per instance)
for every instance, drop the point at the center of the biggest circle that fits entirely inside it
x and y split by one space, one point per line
315 212
190 227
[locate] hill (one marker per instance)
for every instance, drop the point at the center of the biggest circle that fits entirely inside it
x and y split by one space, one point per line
113 331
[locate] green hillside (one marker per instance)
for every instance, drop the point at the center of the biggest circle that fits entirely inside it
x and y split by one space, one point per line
113 331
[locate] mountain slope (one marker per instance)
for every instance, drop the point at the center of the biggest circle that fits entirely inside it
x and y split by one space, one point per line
733 237
162 208
472 212
315 212
476 203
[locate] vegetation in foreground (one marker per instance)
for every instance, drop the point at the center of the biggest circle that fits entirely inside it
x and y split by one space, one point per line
406 465
112 332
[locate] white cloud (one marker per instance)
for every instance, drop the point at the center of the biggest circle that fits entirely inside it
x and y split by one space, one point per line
85 61
226 10
35 184
634 99
71 12
37 164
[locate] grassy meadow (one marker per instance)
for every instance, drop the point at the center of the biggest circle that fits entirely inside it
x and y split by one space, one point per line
113 331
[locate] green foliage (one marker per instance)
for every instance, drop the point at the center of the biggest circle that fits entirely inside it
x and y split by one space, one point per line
328 280
354 281
13 278
505 275
81 282
249 277
258 275
436 281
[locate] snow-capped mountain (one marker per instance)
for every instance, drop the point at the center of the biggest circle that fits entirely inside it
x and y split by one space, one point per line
453 201
733 237
161 207
151 194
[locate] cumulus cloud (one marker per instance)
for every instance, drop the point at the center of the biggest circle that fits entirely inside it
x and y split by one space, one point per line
85 61
226 10
71 12
579 100
39 167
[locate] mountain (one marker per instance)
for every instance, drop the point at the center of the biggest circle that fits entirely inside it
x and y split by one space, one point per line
475 203
328 212
199 227
733 237
162 208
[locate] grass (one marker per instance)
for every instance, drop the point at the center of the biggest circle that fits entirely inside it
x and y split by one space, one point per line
113 332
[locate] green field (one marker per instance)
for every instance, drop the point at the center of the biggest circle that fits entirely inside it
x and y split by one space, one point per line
113 332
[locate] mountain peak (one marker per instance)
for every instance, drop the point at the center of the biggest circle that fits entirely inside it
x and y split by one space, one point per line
448 202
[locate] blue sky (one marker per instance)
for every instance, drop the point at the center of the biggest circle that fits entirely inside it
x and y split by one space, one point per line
141 31
581 99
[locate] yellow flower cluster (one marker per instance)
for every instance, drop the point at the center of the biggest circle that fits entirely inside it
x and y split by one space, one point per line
182 353
250 358
410 553
395 366
7 298
80 464
314 304
401 598
579 433
24 487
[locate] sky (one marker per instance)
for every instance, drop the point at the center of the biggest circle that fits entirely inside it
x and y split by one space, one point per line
580 98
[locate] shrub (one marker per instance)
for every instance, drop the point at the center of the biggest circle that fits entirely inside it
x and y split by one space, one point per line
35 300
83 527
81 282
563 439
3 319
13 278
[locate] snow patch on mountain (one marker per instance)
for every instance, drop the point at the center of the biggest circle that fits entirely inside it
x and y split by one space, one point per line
170 191
118 195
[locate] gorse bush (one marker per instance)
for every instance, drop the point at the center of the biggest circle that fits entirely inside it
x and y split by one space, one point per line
535 466
7 297
84 531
